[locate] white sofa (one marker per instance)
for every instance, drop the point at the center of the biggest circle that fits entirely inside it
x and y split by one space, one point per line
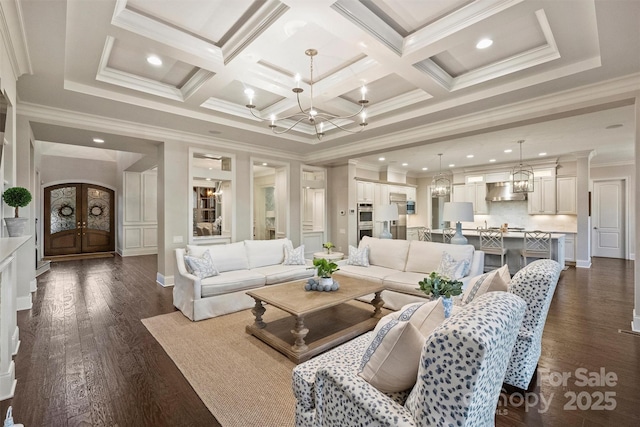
400 264
242 266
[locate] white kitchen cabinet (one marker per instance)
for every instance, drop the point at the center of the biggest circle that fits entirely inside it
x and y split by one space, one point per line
474 193
566 195
543 198
381 194
411 193
365 191
570 247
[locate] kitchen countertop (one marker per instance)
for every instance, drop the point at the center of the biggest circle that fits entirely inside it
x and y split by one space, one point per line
508 234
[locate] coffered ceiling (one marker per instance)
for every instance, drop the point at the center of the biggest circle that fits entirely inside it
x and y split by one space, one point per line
430 89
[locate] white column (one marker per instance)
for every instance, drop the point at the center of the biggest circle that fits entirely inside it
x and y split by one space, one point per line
635 324
583 238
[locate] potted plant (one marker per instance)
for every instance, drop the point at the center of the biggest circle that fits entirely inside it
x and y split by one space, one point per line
16 197
329 246
438 286
325 269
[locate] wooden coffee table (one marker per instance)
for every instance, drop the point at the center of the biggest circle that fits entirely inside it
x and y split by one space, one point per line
321 320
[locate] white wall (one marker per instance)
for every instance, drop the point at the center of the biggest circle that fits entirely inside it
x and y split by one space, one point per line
66 169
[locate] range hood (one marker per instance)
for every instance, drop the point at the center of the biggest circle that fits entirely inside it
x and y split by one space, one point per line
501 192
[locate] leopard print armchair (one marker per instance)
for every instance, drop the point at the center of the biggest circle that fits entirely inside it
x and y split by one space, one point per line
536 284
460 376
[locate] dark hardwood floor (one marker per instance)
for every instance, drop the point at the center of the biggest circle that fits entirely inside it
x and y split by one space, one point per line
86 359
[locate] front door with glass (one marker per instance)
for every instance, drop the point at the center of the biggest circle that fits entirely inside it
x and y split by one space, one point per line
79 218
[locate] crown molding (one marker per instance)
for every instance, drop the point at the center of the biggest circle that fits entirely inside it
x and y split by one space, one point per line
14 37
615 92
58 116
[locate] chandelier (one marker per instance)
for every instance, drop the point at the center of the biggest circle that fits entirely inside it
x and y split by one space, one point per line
319 120
441 184
522 176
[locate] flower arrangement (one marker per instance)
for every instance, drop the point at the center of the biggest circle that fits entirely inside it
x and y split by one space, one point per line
328 246
440 286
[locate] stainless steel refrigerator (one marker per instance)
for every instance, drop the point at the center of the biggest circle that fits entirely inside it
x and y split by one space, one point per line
399 228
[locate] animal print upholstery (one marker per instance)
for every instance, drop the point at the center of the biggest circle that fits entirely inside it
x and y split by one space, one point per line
460 376
536 284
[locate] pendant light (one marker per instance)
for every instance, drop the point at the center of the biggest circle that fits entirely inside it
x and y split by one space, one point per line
522 176
441 184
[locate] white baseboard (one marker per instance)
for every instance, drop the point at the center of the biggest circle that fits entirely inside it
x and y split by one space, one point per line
8 382
33 285
632 256
581 263
24 303
15 339
139 251
635 324
164 281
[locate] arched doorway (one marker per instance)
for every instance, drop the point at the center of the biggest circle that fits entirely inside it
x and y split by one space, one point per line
78 219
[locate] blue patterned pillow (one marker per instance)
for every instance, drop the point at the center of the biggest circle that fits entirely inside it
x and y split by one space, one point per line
451 268
294 256
201 267
358 257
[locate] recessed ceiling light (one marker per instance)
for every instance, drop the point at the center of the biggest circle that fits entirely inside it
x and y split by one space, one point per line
492 160
425 169
405 164
381 158
469 156
98 140
508 150
154 60
210 169
484 43
207 179
451 165
264 164
617 125
542 154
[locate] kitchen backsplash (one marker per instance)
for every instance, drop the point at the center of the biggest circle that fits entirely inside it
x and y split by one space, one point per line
516 215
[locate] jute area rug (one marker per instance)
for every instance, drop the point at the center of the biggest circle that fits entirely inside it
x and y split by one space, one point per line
241 380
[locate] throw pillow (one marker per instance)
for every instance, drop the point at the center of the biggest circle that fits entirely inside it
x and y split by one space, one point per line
294 256
201 267
358 256
504 273
487 282
451 268
391 361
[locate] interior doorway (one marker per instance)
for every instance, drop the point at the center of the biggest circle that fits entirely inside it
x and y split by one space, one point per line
78 219
609 231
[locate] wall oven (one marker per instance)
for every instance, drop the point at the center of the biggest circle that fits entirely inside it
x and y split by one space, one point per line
365 220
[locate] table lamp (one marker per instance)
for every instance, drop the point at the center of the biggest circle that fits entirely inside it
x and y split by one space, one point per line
458 211
386 213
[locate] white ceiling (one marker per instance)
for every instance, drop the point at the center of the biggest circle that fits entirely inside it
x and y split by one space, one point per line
558 73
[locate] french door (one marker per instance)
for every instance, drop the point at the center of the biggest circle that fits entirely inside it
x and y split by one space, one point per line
78 219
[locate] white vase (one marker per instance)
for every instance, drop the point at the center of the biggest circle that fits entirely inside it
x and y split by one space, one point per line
16 226
326 281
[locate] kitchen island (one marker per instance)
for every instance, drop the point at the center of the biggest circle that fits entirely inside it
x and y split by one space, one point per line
513 242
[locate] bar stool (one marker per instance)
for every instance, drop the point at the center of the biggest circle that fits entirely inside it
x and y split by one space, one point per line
537 244
447 234
424 234
492 243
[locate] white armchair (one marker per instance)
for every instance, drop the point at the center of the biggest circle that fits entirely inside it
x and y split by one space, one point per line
536 284
459 379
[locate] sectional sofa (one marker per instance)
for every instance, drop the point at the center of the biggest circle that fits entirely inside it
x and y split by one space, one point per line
241 266
400 264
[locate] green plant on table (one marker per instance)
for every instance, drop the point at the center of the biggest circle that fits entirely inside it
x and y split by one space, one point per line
328 246
325 268
17 197
440 286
